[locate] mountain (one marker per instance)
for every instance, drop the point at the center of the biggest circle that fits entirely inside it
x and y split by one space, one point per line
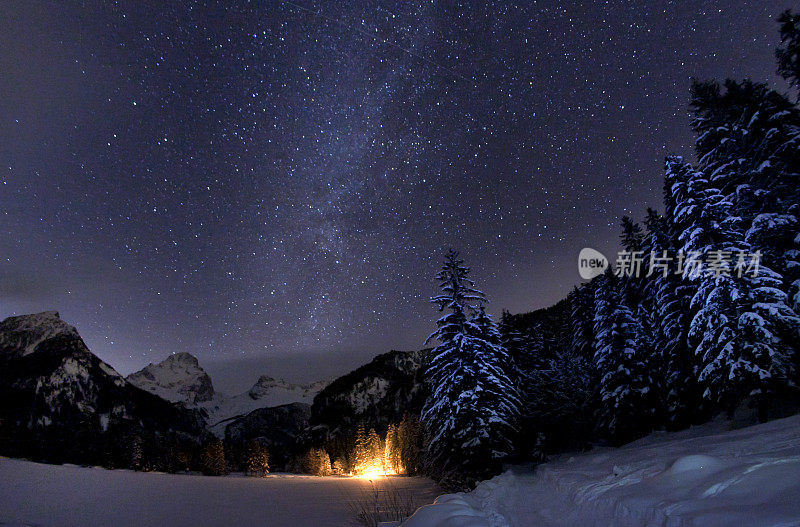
282 429
59 402
278 391
178 378
22 335
265 393
375 394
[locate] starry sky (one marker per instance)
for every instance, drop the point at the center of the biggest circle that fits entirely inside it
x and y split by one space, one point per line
271 185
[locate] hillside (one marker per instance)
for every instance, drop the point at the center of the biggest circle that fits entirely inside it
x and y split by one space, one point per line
374 394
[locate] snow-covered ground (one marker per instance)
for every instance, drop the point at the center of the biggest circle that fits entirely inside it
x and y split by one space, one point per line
705 476
53 495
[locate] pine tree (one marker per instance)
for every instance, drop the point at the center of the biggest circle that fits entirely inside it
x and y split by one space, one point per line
375 451
742 330
392 452
632 237
473 406
212 460
669 297
486 329
739 127
317 462
625 407
361 455
749 149
257 459
581 319
339 467
409 437
746 330
789 56
512 339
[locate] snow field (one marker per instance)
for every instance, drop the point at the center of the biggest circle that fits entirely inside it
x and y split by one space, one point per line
67 495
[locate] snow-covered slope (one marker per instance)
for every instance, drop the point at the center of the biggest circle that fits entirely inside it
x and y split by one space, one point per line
278 391
266 392
178 378
705 476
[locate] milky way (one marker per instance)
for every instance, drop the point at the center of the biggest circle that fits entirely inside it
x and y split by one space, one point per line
272 184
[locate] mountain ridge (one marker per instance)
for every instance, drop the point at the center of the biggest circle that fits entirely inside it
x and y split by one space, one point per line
179 378
61 403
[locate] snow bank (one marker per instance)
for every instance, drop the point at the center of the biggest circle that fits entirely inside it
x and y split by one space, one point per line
705 476
450 510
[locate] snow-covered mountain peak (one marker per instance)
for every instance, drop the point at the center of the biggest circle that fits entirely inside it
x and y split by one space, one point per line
178 378
266 392
182 358
22 334
265 384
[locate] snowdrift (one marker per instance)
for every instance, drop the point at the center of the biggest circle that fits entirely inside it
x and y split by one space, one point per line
706 476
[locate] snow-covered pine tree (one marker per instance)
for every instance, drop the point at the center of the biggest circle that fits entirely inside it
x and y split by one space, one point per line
500 376
639 290
749 148
789 56
776 236
654 247
317 462
742 328
679 395
471 412
742 128
748 139
625 408
486 329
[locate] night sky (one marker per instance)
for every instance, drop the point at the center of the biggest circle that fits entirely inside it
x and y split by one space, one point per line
271 185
